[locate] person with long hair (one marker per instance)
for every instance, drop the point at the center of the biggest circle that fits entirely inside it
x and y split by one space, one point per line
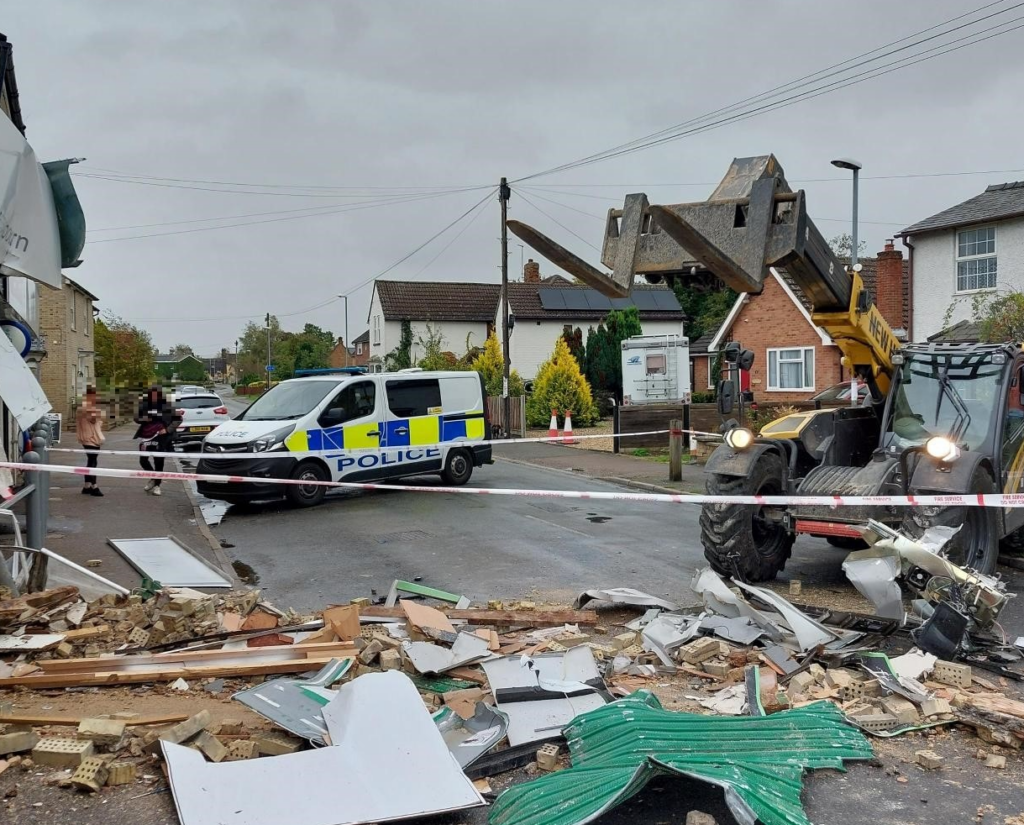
89 430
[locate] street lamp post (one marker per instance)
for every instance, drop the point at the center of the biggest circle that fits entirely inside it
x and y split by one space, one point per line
855 167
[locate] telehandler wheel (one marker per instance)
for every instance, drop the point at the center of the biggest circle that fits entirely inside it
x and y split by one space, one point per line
740 540
977 544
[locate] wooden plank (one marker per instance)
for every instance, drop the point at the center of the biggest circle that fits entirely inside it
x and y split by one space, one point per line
58 721
467 674
528 618
183 658
80 633
167 674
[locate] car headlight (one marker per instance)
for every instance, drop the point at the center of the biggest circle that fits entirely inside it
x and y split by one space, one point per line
739 438
270 441
941 448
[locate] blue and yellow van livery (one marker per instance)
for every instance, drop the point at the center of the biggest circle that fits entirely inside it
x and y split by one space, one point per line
359 428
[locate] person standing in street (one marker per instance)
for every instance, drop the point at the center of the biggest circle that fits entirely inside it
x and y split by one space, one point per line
89 429
157 422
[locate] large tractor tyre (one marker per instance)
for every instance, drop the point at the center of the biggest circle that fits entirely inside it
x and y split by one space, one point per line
977 544
739 540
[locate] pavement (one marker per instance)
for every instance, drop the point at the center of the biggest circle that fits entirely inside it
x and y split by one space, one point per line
80 525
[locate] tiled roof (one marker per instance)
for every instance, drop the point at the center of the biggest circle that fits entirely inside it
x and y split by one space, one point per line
962 332
524 303
363 339
700 346
438 301
998 202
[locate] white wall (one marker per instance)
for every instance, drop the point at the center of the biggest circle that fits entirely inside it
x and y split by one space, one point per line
533 342
454 334
934 286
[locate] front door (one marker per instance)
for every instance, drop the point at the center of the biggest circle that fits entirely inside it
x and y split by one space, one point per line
1012 454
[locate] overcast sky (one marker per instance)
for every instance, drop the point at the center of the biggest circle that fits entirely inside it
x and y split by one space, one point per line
372 100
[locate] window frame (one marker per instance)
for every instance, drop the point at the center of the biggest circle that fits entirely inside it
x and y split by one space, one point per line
74 311
376 329
958 259
347 388
778 372
711 377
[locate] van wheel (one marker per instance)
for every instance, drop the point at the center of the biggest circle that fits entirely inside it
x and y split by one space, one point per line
457 468
312 494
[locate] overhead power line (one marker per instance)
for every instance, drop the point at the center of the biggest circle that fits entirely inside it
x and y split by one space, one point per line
331 300
742 109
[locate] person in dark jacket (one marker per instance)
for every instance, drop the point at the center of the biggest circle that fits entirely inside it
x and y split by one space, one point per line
157 421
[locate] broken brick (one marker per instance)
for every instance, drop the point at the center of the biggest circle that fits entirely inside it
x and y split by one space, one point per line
211 746
547 757
699 650
121 773
61 752
929 760
17 741
102 732
935 707
242 749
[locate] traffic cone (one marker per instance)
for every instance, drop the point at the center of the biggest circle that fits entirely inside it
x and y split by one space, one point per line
553 426
567 432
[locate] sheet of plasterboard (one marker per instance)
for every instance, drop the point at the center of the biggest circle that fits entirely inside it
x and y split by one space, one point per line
168 561
382 741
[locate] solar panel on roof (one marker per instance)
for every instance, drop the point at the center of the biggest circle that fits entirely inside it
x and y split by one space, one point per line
576 299
643 300
597 301
551 298
621 303
666 300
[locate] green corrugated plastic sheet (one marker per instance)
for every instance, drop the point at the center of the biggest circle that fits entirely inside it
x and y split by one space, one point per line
440 684
618 748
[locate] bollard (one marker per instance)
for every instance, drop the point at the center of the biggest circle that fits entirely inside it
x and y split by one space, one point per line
675 450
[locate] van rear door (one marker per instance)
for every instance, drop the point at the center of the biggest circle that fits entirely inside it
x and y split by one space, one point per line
412 421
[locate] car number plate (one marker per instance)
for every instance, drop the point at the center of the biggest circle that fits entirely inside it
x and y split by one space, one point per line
200 429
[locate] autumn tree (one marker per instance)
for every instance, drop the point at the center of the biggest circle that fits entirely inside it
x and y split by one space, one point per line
491 366
124 353
560 386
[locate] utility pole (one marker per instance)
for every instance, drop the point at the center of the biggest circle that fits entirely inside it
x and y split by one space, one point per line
504 193
268 351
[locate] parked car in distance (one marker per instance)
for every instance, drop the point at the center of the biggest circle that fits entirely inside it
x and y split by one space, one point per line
200 412
839 395
190 389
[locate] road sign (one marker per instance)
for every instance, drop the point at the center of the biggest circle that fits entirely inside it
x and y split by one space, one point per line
271 368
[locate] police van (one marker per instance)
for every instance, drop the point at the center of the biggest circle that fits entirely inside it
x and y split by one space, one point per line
428 421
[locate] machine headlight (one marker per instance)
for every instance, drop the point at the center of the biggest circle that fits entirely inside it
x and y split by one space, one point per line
739 438
271 441
941 448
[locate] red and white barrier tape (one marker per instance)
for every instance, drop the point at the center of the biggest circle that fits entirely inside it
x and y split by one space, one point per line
969 500
341 451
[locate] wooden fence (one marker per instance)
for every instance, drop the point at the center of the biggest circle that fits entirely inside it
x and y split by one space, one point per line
639 418
517 413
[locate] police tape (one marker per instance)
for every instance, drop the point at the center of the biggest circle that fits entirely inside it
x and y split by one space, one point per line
395 448
1008 501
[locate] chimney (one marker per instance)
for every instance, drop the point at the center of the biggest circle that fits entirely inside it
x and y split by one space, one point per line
889 286
531 272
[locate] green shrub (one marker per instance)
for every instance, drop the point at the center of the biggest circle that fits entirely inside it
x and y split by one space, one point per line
560 386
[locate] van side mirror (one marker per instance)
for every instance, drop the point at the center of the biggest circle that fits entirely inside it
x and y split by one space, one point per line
333 415
726 397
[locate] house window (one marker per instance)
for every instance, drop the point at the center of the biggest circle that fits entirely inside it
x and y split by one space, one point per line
359 348
567 328
791 369
74 312
976 259
376 329
88 319
711 373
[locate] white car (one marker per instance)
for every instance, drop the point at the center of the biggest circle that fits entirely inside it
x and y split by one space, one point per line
200 412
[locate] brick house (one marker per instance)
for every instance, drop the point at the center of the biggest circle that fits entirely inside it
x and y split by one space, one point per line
65 324
794 359
358 357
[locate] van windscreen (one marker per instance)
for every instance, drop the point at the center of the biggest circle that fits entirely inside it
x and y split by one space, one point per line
407 399
288 401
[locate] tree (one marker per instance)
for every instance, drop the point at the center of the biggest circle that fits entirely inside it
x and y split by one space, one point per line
190 370
560 386
400 358
491 366
842 245
601 358
998 315
574 338
620 324
181 350
435 357
124 353
309 349
705 307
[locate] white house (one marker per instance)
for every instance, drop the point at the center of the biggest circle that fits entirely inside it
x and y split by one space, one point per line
972 249
544 308
462 312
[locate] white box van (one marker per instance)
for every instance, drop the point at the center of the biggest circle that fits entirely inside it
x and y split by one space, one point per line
434 418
